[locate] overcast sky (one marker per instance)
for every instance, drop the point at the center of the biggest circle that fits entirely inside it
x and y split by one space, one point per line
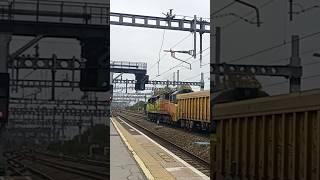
240 39
136 44
143 44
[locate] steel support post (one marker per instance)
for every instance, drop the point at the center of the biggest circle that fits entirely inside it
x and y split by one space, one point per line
295 61
218 55
202 81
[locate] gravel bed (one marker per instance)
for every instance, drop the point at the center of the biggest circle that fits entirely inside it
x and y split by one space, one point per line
183 138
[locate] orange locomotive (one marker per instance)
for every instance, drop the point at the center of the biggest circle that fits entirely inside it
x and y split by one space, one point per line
184 108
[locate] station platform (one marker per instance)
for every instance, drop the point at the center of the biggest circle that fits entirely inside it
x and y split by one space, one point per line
155 161
122 164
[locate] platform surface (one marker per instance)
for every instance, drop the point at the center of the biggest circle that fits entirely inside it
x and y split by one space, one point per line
122 164
155 161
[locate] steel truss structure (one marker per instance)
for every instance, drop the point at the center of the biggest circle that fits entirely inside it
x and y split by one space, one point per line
69 84
183 24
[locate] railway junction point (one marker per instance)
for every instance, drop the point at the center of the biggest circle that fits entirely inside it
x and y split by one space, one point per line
153 160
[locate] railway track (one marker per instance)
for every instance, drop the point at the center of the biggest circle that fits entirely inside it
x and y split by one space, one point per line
17 169
85 161
54 168
197 162
140 115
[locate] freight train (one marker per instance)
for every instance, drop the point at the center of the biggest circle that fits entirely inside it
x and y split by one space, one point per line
183 108
191 110
268 138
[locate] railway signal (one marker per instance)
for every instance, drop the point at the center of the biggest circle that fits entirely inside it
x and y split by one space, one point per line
142 80
95 76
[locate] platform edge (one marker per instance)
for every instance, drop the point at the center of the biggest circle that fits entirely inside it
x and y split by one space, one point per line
145 170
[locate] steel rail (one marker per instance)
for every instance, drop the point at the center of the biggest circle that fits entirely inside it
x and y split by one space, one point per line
203 163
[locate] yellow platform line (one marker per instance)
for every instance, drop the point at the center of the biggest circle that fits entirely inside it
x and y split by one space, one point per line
135 156
203 176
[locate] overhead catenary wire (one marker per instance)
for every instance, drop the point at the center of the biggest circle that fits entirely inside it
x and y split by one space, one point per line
183 39
287 58
302 53
272 47
180 63
307 9
154 65
190 78
196 60
305 64
279 46
223 8
284 82
248 14
163 35
307 77
267 49
175 45
191 17
237 16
